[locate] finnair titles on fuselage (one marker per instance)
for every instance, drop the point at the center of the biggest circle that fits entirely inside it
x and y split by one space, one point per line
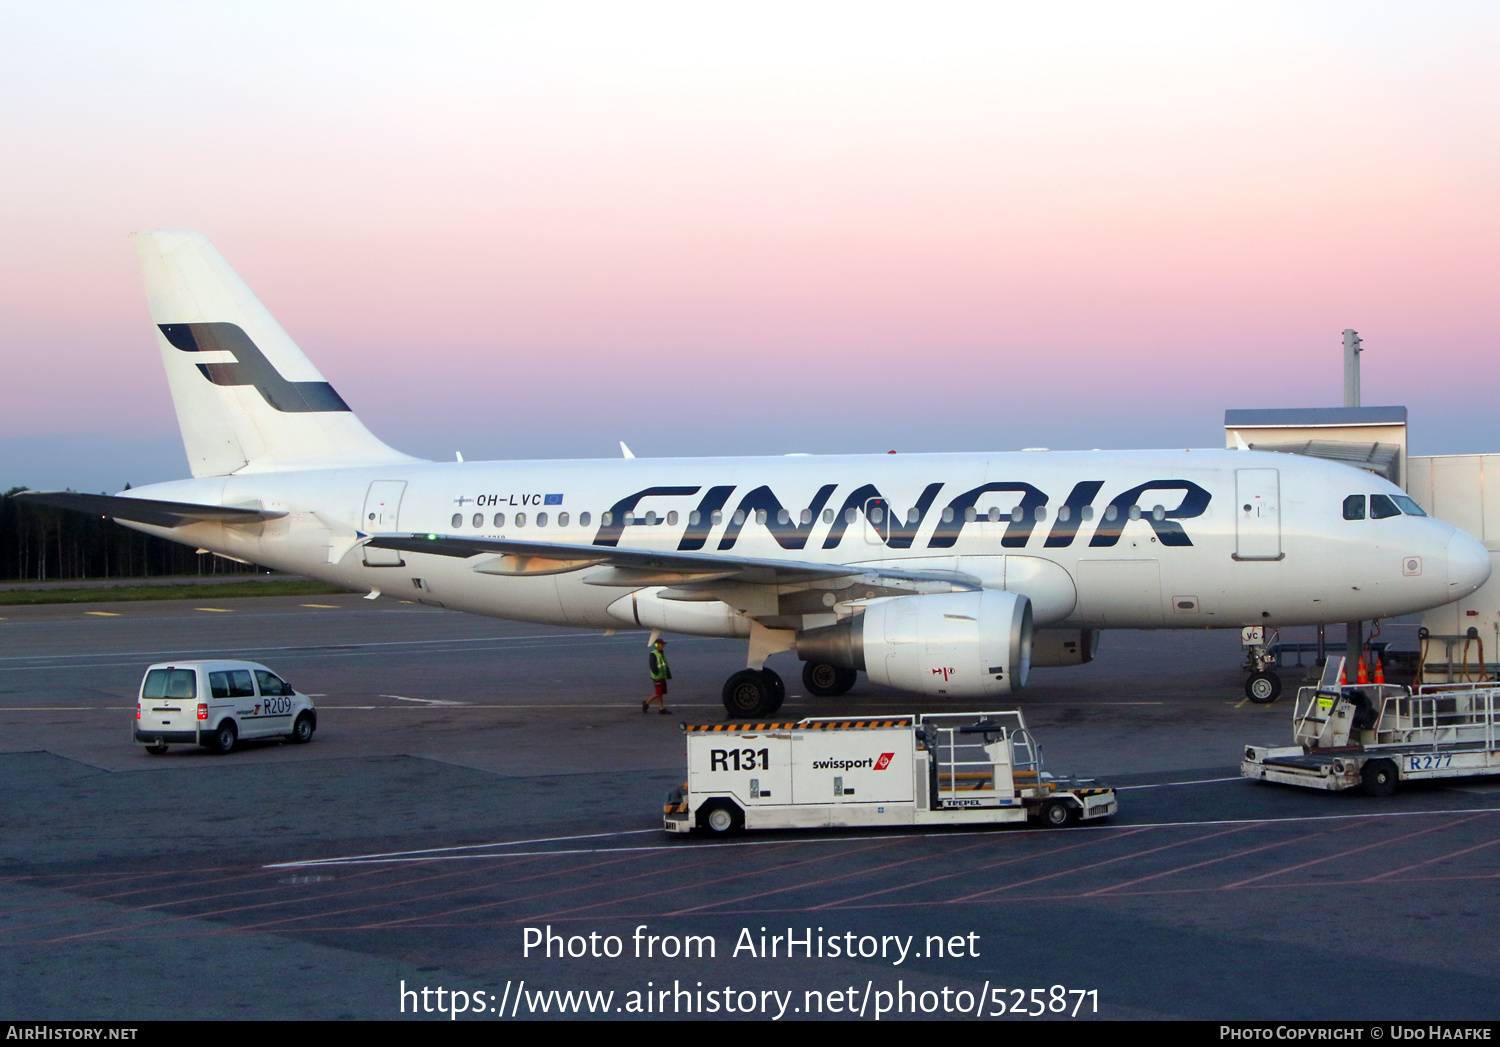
937 573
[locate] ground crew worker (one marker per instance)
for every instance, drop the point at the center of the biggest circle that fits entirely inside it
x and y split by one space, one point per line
660 674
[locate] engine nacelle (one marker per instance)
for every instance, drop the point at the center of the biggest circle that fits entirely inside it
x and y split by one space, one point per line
1051 648
959 645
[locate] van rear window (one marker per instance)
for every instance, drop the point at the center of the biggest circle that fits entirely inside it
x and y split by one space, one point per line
170 683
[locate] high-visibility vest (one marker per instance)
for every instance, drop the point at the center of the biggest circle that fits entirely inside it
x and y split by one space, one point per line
658 665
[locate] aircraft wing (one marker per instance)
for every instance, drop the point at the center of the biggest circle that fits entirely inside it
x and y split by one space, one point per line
148 510
636 568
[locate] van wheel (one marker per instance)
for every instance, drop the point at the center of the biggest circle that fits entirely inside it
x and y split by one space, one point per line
225 738
302 730
1056 813
156 750
721 817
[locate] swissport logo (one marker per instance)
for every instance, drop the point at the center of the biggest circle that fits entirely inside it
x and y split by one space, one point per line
868 763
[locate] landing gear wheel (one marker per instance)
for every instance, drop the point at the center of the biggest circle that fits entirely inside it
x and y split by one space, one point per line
302 730
721 817
224 738
1056 813
778 689
748 694
1378 778
827 681
156 750
1263 687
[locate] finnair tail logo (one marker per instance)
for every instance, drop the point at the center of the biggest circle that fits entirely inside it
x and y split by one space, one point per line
249 366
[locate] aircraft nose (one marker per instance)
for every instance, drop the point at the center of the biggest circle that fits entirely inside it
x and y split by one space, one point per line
1468 565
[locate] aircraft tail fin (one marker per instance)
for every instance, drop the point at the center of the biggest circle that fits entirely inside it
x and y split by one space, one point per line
247 398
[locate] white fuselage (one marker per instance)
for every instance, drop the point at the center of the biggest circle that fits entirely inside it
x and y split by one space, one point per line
1149 539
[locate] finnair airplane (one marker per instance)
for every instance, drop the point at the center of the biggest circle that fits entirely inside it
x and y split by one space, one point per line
948 575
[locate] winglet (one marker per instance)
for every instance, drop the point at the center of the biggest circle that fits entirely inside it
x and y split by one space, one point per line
1239 441
627 452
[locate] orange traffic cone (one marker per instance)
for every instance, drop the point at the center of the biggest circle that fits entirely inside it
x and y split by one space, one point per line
1379 671
1362 677
1343 674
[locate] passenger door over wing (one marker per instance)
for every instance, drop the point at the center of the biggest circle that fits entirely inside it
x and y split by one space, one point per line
1257 529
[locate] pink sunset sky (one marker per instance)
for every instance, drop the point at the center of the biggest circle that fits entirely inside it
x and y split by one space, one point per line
533 230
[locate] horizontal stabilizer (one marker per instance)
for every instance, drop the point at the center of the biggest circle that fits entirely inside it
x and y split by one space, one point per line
147 510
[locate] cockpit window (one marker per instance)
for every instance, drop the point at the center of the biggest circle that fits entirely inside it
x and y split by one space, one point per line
1354 507
1408 505
1381 507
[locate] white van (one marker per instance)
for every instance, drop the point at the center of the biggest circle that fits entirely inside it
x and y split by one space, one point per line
215 704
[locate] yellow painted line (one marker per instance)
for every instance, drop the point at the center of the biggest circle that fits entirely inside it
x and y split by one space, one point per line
329 606
104 614
219 610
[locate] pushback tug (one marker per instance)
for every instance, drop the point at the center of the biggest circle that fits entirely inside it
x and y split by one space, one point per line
929 769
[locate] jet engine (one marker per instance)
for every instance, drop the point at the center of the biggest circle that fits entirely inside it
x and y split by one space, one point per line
959 645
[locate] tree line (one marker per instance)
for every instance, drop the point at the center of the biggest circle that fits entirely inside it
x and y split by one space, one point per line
39 543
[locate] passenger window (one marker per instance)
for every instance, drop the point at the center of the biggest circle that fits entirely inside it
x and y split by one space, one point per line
478 520
1065 513
520 519
499 519
240 685
562 519
672 518
695 518
948 514
606 519
828 516
1111 513
218 684
970 514
583 519
1158 512
1354 507
994 514
271 685
629 519
1408 505
912 516
1041 512
651 519
1135 512
1088 512
850 515
877 514
739 517
458 520
717 518
1381 507
541 519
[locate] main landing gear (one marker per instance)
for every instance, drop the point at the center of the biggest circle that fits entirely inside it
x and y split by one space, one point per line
753 693
827 681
